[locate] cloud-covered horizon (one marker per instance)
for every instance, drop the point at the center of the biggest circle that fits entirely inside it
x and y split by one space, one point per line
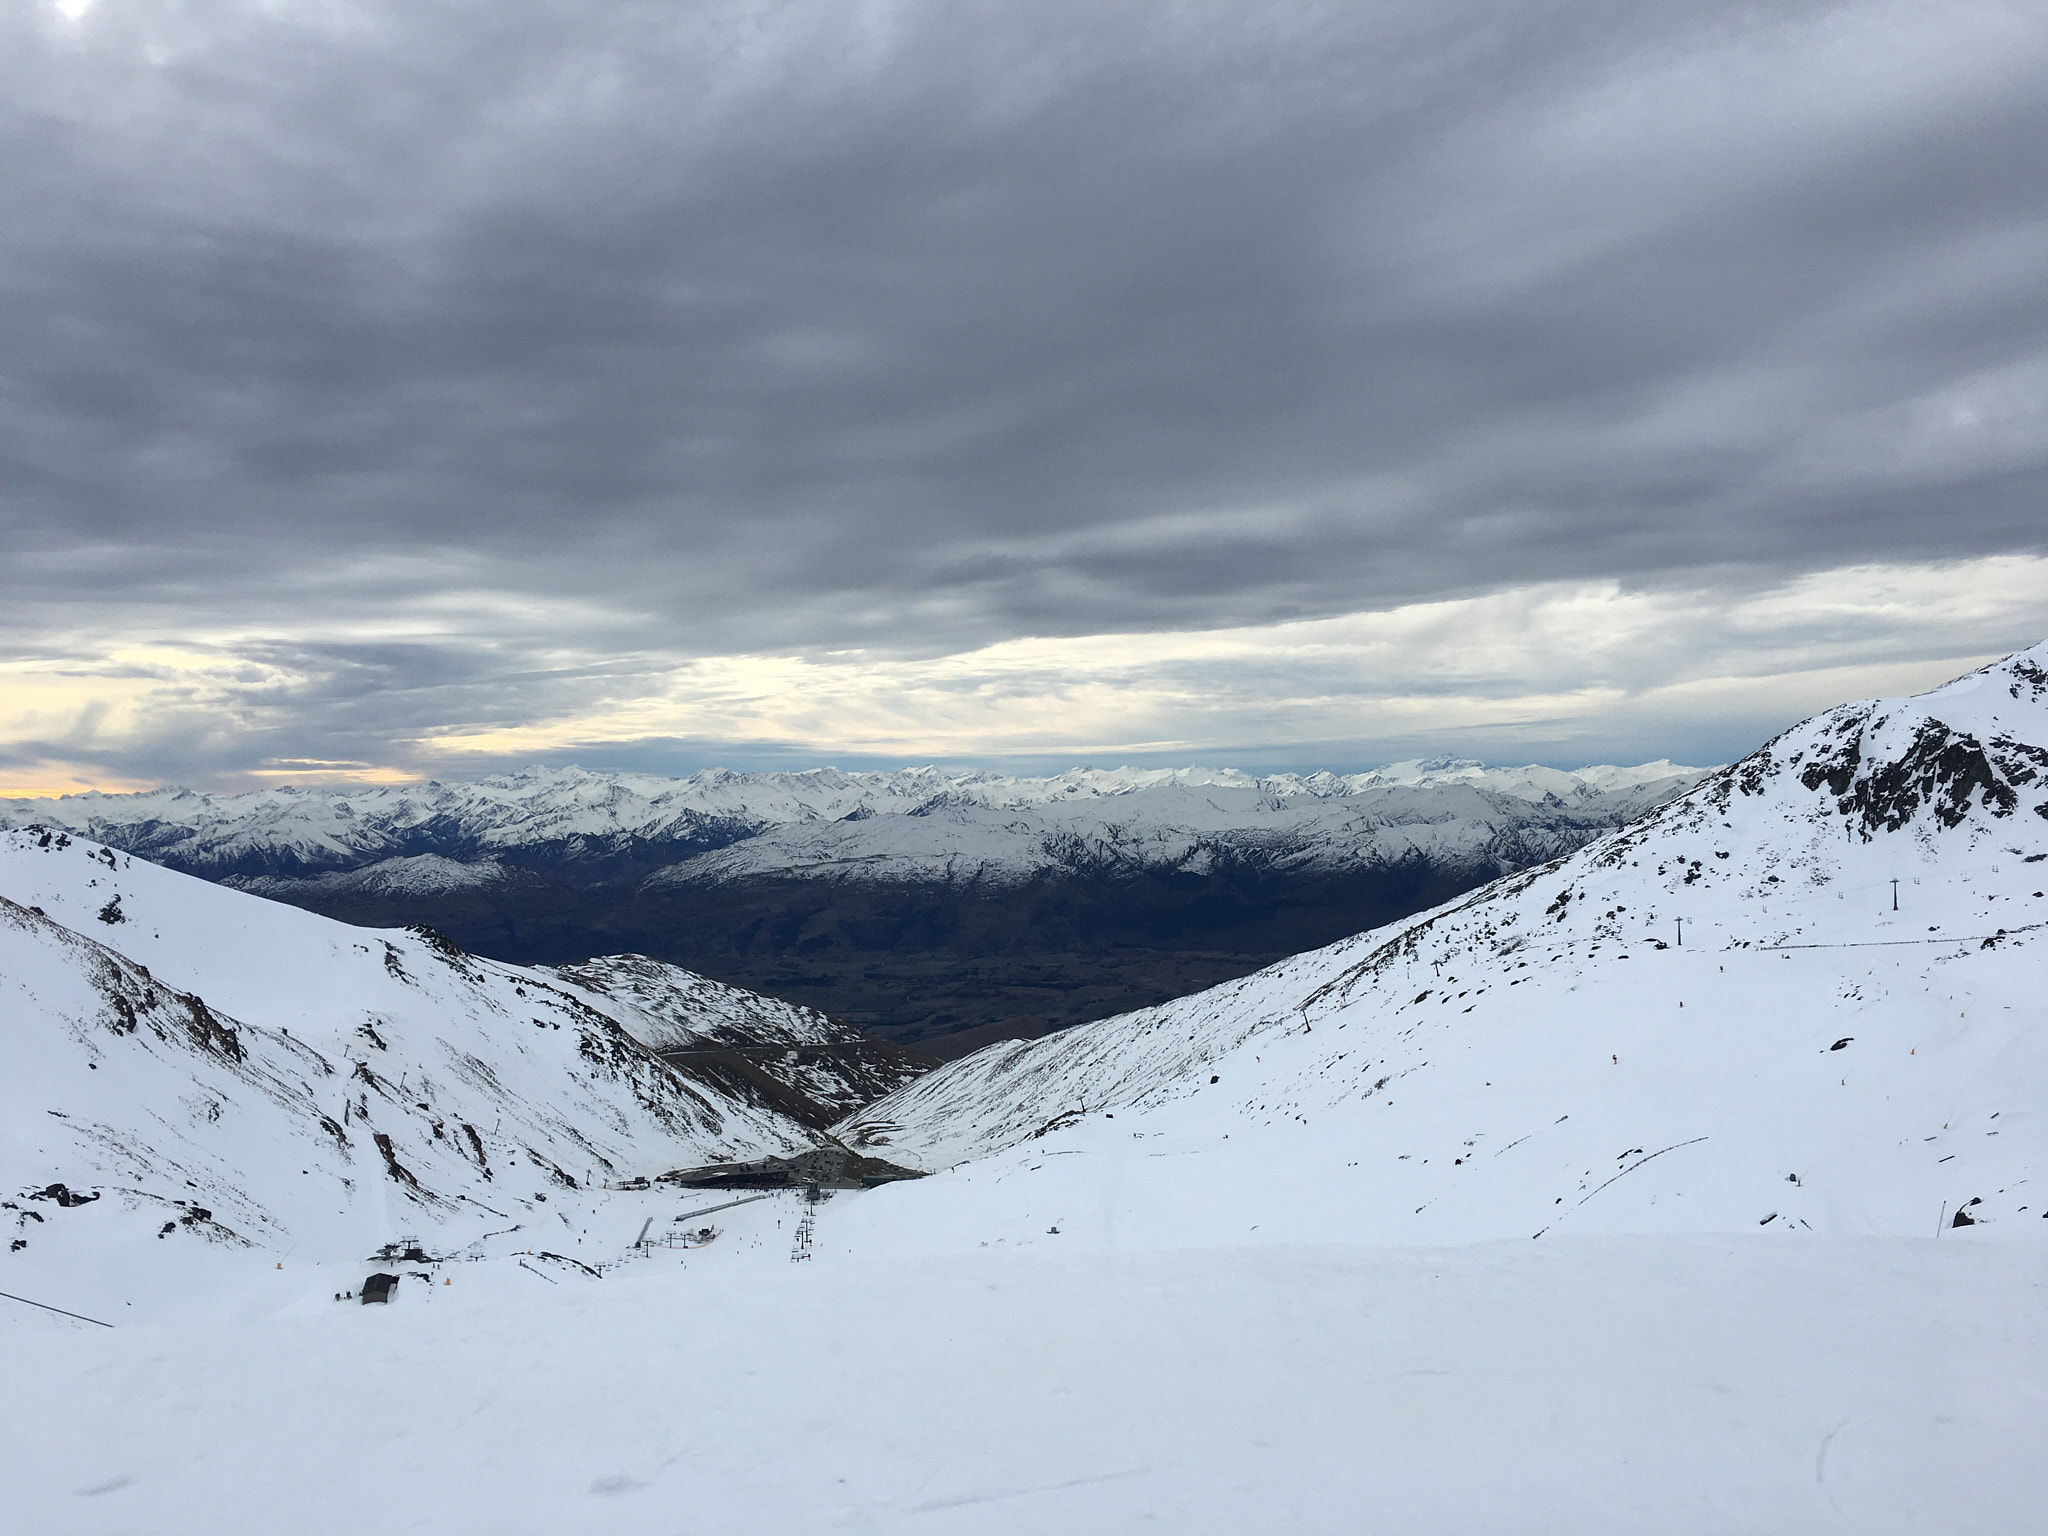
390 389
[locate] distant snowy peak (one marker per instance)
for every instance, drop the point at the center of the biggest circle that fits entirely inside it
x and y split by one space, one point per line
1813 980
424 874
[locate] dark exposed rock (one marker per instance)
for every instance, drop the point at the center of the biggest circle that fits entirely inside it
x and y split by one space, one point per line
825 1167
397 1169
65 1197
1943 770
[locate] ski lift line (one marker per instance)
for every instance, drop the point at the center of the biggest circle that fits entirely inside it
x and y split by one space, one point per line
1958 938
688 1215
763 1050
1619 940
48 1308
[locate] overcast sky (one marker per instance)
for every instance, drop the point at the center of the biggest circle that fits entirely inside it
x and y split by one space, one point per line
418 388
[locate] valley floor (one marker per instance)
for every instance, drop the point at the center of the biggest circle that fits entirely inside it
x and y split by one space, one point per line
906 1378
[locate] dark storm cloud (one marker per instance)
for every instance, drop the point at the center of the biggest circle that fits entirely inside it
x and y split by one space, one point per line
918 327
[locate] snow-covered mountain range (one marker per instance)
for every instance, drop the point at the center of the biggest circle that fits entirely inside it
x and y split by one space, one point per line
918 824
1804 995
944 908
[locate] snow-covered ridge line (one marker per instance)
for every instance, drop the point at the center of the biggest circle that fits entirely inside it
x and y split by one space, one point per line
1808 989
919 823
814 792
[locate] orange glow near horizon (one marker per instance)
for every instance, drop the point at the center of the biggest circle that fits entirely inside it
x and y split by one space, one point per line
46 791
49 786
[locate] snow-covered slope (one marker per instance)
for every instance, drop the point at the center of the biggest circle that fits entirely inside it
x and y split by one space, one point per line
695 1021
670 1009
221 1070
1548 1053
917 824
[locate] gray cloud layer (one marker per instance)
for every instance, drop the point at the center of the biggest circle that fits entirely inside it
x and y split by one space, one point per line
809 326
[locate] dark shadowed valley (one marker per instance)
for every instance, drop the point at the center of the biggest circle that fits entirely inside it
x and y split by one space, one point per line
946 968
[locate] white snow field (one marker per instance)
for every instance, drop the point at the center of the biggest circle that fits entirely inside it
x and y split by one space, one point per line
1662 1384
1518 1216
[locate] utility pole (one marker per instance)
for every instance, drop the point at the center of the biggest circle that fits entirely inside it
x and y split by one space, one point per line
1895 895
1681 933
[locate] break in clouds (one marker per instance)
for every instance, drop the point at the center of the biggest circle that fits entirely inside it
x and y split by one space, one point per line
422 387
